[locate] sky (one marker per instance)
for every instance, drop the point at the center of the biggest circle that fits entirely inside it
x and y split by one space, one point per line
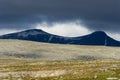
61 17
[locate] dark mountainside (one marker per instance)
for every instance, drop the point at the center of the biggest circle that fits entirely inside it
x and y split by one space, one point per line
99 38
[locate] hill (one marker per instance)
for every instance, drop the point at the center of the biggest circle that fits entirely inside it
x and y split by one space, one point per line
99 38
47 51
26 60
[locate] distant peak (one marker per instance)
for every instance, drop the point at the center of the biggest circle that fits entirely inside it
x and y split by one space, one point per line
35 30
99 33
31 32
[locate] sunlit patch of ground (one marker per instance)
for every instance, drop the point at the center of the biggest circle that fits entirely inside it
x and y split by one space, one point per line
27 60
59 70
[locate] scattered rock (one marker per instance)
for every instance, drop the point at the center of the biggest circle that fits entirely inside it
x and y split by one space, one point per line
112 78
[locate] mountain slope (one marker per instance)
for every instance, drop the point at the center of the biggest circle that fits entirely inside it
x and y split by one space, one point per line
45 51
96 38
34 35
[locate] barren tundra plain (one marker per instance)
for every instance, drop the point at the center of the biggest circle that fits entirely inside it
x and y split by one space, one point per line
27 60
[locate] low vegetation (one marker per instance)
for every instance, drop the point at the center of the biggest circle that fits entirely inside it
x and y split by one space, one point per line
26 60
46 51
15 69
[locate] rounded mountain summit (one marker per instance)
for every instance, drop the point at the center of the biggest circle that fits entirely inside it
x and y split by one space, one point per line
98 38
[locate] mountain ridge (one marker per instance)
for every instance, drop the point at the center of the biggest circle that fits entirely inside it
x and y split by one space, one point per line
96 38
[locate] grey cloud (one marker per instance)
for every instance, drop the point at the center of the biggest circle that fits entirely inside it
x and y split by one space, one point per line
96 14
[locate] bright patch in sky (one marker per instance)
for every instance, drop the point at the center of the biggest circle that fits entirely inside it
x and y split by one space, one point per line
70 29
7 31
114 35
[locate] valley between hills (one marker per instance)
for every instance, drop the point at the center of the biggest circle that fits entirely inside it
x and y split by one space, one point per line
27 60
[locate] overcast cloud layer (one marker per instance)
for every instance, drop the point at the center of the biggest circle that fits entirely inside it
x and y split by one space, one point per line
93 14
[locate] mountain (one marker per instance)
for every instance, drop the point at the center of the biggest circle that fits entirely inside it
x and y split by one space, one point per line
95 38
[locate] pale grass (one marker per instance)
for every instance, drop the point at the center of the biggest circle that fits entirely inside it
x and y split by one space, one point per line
46 51
26 59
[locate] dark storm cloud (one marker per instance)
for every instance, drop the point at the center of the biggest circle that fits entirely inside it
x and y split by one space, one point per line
97 14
